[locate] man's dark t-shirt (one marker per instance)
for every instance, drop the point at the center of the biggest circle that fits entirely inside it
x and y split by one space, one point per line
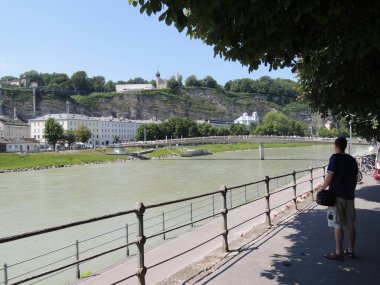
345 170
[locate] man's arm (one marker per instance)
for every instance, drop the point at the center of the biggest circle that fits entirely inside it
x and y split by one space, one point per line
326 183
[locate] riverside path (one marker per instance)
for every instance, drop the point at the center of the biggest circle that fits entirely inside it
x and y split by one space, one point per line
291 252
172 256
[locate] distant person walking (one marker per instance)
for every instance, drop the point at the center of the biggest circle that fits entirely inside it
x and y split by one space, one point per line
341 179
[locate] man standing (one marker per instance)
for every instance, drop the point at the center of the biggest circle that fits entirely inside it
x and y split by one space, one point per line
342 178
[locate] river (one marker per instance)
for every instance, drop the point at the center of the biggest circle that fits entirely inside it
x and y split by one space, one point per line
39 199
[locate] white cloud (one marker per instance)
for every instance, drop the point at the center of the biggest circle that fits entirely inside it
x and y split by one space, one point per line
4 65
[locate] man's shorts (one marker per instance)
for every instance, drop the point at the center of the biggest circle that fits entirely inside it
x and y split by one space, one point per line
345 212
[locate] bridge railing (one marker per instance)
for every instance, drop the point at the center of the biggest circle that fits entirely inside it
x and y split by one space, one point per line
180 214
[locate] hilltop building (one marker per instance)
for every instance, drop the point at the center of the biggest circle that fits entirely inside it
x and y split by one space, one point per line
247 120
23 82
160 84
103 129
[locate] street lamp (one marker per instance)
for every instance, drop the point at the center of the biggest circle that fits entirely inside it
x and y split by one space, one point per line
350 123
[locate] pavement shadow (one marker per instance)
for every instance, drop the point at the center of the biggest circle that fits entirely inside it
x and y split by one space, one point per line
311 238
369 193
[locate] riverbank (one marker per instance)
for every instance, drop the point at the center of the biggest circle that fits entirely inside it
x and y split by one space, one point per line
12 162
214 148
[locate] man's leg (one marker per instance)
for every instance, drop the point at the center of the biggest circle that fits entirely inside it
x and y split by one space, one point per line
352 237
339 234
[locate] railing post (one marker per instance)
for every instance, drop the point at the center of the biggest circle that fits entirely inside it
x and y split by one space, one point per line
245 194
267 197
224 211
127 237
191 214
140 241
5 274
213 204
295 190
230 199
77 257
163 225
311 183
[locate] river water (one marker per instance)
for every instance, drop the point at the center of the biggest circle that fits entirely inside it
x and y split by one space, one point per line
40 199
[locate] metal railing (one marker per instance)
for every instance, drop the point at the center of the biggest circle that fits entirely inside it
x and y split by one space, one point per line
163 225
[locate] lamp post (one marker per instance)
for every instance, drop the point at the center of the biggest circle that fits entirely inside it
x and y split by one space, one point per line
350 146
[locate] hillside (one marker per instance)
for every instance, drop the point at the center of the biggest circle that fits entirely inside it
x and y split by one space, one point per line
196 103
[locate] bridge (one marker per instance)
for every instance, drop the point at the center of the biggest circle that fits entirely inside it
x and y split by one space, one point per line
266 232
234 139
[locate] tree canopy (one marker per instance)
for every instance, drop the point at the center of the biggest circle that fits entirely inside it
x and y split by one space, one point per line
82 134
333 45
53 131
280 125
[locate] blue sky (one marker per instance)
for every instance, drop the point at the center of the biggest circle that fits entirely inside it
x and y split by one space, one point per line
108 38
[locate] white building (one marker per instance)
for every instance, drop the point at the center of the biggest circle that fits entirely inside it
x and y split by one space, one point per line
13 129
247 120
105 129
132 87
160 84
19 145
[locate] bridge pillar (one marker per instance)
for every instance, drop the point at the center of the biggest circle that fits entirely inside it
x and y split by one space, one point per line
261 151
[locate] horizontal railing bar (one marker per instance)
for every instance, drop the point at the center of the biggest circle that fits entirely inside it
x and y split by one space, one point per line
103 234
50 252
182 226
105 243
181 200
280 176
201 207
202 213
281 189
55 262
182 253
245 185
50 276
68 265
254 217
52 229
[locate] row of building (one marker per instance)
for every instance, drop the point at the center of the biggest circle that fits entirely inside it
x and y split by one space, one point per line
16 136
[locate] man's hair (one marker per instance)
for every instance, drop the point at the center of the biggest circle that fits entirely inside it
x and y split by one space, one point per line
341 143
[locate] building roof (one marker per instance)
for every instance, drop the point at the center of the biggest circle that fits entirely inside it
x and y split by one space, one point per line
65 116
13 122
19 141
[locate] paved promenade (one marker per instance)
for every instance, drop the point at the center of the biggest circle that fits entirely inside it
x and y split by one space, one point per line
292 253
289 253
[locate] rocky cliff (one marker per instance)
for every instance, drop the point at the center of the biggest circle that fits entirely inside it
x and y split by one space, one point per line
196 103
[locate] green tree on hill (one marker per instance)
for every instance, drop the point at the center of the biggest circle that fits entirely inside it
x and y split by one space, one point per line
192 81
137 80
81 82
